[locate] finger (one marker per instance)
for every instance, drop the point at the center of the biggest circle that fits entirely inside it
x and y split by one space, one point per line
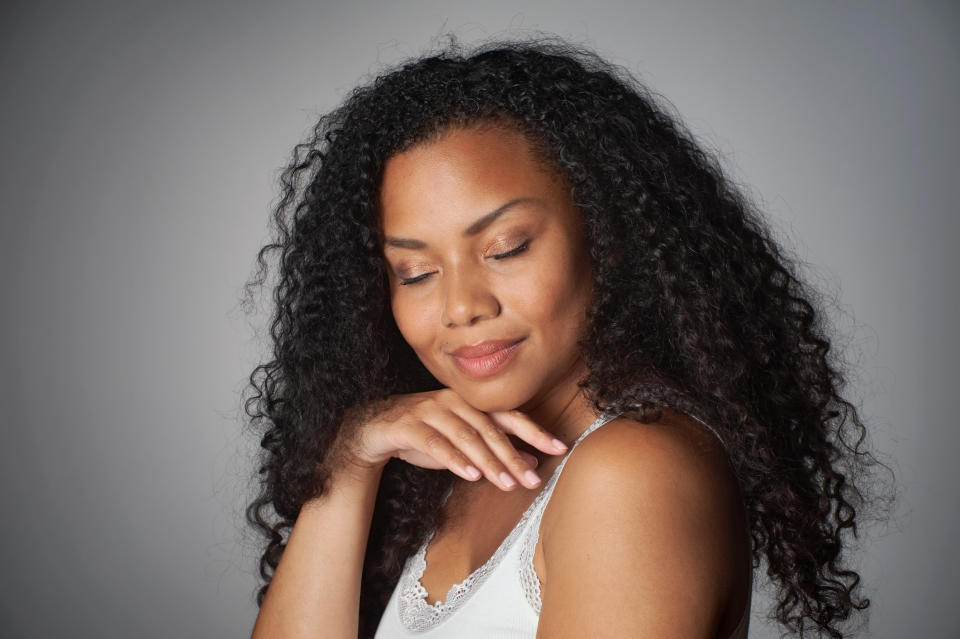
516 423
463 437
532 461
515 465
432 443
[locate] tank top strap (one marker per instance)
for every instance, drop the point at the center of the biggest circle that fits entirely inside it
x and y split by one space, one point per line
528 542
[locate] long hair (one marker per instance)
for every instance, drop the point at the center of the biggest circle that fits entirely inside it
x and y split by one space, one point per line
694 306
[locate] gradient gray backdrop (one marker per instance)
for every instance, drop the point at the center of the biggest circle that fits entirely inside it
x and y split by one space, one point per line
141 145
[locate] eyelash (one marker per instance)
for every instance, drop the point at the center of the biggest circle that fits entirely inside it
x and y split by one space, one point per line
512 252
413 280
499 256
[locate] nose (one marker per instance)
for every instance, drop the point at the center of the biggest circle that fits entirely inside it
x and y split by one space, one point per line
467 298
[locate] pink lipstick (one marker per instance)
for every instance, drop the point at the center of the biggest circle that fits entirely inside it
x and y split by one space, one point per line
486 358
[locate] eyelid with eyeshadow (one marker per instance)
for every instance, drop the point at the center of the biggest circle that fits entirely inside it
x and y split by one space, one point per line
516 250
413 278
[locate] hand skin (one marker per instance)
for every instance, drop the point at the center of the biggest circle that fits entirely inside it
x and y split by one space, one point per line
315 591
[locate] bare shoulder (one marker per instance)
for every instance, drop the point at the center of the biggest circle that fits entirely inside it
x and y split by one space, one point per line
647 518
647 451
674 459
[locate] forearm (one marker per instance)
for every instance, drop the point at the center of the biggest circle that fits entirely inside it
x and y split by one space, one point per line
315 591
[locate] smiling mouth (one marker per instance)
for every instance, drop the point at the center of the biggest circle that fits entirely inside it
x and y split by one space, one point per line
486 358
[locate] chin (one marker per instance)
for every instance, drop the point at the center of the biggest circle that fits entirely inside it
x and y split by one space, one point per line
492 399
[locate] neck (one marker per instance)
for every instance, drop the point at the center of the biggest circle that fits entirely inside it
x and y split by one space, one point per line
563 410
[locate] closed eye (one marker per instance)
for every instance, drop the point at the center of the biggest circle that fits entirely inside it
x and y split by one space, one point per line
404 281
413 280
515 251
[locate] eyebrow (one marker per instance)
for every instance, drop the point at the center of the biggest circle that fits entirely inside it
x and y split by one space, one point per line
476 227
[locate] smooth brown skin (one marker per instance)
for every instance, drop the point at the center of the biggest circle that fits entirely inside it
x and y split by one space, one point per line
644 535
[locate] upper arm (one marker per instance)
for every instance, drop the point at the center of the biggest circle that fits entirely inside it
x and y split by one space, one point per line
641 538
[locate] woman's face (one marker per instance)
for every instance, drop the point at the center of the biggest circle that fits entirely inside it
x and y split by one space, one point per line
489 275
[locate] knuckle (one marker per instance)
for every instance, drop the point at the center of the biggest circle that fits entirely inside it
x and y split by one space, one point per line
518 417
467 434
493 462
434 441
495 434
518 460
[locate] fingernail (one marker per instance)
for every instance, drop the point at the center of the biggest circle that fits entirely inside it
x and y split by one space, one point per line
531 477
507 479
472 472
559 444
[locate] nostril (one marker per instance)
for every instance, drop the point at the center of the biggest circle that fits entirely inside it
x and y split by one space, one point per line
467 300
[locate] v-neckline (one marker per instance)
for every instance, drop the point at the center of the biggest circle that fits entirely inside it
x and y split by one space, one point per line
429 614
505 544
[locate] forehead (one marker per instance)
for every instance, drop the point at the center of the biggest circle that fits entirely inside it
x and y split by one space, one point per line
462 174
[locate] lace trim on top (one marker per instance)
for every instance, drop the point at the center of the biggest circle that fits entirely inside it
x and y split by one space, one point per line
529 579
416 614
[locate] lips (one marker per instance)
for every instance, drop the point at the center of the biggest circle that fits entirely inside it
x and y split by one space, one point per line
486 358
484 348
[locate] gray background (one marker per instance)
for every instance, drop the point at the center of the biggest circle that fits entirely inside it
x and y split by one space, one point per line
141 145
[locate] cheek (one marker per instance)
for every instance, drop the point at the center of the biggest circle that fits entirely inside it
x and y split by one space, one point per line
412 318
555 298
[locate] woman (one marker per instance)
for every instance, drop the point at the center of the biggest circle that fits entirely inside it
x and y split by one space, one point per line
539 370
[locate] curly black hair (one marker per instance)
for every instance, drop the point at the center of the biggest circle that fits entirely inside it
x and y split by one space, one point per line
695 306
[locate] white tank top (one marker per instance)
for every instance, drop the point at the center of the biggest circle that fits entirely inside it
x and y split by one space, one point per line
500 599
